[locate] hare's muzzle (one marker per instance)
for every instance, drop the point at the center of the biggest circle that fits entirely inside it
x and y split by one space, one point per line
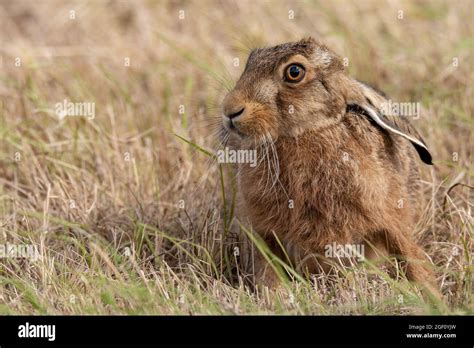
232 117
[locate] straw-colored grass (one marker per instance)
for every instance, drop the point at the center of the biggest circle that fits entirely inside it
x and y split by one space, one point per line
128 211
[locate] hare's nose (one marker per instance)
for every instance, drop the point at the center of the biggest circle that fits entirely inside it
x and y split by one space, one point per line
235 114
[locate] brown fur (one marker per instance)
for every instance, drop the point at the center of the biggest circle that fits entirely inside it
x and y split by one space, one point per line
345 175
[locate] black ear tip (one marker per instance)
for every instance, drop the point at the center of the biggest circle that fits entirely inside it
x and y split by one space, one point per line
424 154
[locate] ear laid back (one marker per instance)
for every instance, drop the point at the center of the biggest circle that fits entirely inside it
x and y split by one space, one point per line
370 101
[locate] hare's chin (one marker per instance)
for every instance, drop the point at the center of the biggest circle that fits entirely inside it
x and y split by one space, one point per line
238 133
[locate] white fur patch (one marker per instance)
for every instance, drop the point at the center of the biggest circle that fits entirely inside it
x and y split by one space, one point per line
266 90
323 57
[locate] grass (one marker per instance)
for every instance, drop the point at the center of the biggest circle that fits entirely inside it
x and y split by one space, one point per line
128 210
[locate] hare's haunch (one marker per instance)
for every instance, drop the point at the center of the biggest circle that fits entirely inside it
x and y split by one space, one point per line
333 168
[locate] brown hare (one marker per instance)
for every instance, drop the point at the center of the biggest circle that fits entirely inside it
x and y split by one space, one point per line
333 168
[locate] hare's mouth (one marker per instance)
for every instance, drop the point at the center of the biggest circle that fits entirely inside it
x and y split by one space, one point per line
239 133
234 129
231 126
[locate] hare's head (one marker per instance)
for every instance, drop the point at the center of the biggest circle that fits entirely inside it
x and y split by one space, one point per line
298 86
285 90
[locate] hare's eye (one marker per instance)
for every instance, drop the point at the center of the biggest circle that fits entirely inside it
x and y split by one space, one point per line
294 73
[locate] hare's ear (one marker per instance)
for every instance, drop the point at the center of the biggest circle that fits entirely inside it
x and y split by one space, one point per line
371 105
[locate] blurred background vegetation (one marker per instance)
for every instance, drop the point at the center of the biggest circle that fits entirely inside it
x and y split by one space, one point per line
129 218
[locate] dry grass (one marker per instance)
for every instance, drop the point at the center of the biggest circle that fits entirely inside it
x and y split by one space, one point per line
102 199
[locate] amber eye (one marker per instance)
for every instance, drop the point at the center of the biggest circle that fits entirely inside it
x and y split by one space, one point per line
294 73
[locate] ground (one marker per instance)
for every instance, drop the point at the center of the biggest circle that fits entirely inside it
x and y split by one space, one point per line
124 206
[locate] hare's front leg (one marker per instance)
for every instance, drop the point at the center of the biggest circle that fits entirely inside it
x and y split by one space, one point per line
416 266
264 266
264 272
